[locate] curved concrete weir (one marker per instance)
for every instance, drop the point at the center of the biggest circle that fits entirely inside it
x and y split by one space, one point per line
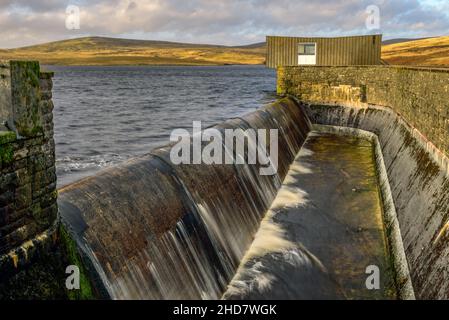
149 229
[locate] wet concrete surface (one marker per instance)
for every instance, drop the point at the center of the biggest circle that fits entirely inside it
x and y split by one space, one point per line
323 230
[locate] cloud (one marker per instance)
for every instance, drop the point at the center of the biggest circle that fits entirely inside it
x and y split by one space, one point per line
232 22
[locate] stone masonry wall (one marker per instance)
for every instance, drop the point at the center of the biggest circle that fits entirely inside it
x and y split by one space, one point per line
5 95
419 95
28 209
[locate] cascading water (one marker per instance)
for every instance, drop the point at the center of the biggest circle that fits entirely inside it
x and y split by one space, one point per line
153 230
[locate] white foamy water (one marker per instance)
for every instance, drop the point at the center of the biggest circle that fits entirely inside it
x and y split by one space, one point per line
270 239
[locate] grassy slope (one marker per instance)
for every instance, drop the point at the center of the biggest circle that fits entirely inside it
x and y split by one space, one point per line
111 51
425 52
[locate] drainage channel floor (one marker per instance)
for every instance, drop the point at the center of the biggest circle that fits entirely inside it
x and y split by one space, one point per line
323 237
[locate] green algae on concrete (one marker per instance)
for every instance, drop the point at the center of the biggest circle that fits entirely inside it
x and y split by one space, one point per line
346 193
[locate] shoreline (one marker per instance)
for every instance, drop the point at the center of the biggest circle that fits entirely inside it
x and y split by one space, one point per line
149 65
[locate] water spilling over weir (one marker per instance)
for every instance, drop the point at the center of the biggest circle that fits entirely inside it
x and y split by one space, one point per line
154 230
149 229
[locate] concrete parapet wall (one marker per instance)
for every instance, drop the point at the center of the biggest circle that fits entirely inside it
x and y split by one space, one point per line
28 209
419 95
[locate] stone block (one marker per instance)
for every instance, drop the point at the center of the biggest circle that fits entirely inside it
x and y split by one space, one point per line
23 196
25 97
6 198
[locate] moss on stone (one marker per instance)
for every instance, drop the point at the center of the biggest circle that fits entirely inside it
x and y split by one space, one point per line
7 136
6 148
71 252
44 277
26 95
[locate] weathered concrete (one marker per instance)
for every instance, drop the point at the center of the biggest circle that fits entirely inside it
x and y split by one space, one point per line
119 218
420 187
412 128
155 230
328 220
149 229
419 95
401 272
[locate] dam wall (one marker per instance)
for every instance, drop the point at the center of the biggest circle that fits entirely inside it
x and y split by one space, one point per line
419 95
28 208
154 230
150 229
407 109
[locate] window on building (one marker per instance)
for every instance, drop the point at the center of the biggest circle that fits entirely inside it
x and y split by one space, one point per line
307 54
306 49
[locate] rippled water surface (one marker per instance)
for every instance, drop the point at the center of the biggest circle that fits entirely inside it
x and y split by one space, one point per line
105 115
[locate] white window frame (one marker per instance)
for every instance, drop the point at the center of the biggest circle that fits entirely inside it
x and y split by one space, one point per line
307 59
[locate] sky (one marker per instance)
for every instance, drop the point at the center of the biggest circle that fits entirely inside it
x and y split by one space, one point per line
228 22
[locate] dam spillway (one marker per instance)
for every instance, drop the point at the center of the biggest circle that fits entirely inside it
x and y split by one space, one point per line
153 230
149 229
328 220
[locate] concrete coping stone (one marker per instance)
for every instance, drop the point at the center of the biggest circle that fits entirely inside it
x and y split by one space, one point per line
418 68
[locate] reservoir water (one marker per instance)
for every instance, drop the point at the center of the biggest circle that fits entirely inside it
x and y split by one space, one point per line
106 115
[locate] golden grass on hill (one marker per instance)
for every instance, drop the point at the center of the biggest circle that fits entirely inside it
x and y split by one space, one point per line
425 52
110 51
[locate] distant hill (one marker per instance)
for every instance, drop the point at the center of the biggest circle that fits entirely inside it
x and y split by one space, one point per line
400 40
115 51
423 52
259 45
